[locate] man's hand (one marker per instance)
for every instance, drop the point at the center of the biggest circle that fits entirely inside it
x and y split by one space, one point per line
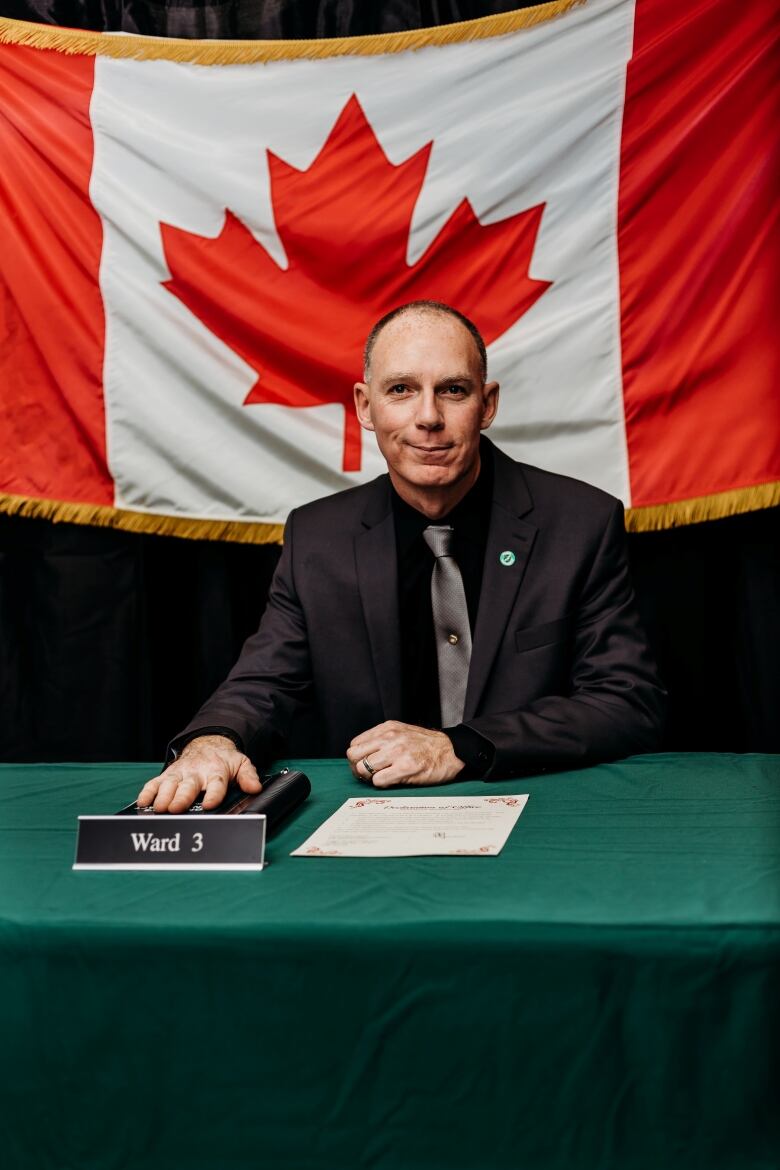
207 764
400 753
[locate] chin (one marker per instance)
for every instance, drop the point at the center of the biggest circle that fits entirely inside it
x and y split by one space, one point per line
429 473
431 476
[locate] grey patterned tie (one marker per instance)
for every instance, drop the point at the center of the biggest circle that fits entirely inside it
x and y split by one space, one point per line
451 624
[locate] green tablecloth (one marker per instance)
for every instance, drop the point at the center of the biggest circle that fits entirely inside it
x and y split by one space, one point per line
604 994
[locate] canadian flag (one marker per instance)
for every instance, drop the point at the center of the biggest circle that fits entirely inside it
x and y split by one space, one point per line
194 251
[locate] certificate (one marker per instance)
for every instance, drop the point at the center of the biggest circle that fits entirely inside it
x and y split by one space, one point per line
391 826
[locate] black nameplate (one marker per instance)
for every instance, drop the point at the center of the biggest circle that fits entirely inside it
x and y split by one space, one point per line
176 842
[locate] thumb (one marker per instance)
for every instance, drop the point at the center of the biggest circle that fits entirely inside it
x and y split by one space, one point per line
247 776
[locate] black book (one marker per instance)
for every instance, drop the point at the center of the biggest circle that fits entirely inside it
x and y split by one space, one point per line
282 793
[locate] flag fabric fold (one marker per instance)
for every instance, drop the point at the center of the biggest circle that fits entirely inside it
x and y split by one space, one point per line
198 236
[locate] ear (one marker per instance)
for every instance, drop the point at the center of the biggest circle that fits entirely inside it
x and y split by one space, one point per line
489 404
363 406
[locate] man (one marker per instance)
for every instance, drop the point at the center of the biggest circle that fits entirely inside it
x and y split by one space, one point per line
461 591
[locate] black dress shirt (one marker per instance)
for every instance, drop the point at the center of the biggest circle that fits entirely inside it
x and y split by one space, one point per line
419 666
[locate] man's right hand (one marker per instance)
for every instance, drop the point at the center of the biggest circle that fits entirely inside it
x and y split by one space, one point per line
207 764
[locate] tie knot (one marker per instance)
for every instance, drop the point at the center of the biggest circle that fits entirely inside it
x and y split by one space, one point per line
439 539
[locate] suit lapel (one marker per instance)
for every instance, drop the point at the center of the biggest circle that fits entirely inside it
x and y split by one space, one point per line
508 533
377 575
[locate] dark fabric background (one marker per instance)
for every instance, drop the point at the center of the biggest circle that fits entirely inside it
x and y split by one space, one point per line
109 641
261 19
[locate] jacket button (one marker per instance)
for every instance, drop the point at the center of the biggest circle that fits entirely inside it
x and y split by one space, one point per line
452 639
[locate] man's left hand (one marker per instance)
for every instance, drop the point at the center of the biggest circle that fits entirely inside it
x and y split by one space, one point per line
400 753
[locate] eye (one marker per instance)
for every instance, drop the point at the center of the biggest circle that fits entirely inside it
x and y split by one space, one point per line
398 389
454 390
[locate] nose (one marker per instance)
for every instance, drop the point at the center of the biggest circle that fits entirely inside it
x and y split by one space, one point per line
429 416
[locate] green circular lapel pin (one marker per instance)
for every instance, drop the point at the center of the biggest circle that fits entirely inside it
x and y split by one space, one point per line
507 558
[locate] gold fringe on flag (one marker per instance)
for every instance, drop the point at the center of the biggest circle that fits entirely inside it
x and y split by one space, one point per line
653 518
102 516
216 52
656 517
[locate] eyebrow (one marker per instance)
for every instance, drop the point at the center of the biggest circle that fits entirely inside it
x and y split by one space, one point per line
391 379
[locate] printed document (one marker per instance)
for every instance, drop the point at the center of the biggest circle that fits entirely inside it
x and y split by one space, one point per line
391 826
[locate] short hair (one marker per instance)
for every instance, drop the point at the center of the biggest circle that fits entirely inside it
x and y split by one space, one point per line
424 307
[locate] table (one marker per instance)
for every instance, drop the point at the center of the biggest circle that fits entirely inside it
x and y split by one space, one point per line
603 994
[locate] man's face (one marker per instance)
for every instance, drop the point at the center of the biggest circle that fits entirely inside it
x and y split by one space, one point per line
426 401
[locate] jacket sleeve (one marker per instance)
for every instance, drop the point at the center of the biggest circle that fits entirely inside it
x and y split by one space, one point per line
270 680
615 705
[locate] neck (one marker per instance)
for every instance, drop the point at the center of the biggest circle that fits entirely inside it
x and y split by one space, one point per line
434 501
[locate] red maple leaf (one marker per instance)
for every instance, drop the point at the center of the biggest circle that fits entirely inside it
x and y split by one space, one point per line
344 223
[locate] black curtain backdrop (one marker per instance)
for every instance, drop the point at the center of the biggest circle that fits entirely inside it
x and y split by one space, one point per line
253 19
110 640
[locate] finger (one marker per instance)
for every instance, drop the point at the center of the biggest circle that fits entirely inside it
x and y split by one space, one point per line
402 770
216 787
389 778
247 776
187 792
148 792
411 776
375 734
166 791
378 761
354 765
364 772
358 770
394 777
390 732
360 773
369 763
356 752
359 744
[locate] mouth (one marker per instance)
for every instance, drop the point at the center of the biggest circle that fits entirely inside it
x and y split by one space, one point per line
431 449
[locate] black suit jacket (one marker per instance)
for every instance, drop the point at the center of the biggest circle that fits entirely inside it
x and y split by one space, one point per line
560 672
